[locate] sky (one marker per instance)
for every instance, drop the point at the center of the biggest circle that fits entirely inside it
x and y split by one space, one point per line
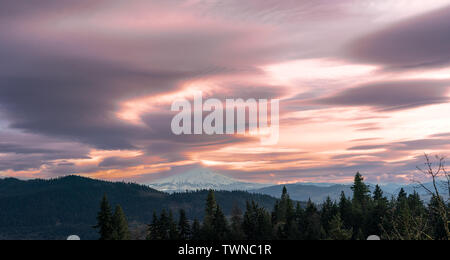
86 87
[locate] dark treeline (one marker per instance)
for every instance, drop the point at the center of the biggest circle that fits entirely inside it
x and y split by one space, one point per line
404 217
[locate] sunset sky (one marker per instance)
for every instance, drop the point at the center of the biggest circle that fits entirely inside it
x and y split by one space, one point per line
86 86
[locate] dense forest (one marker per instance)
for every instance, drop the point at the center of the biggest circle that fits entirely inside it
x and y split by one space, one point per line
54 209
404 217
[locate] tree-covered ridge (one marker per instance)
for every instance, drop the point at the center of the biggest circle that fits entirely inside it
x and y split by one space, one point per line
405 217
54 209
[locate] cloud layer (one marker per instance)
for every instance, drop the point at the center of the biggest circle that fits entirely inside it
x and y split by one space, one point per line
86 87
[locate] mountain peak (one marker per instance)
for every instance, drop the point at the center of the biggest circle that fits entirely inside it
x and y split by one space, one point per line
201 179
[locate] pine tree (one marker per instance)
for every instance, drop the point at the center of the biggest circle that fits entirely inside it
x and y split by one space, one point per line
164 226
120 225
314 229
416 205
208 232
184 227
378 193
378 212
236 224
281 212
283 217
328 212
435 220
403 214
211 207
257 224
105 220
345 209
360 206
196 230
173 229
291 229
153 229
220 225
300 219
402 197
360 190
337 230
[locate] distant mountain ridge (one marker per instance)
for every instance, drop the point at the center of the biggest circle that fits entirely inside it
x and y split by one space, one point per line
201 179
317 194
304 192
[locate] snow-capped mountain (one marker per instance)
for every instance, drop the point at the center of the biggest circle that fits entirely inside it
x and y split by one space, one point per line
201 179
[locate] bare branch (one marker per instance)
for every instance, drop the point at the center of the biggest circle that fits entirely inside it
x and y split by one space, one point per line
434 174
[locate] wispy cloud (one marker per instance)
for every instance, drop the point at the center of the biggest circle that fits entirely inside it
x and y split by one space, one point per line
86 86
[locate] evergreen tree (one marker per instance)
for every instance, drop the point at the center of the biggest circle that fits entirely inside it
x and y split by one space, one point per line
120 225
153 229
257 223
403 223
283 217
403 215
435 220
220 225
196 230
345 209
378 193
416 204
328 212
337 230
183 226
236 224
281 207
211 207
164 226
360 206
360 190
208 232
105 220
173 230
300 219
314 229
402 197
378 212
291 229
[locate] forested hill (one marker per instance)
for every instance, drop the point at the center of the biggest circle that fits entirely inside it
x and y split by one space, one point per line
54 209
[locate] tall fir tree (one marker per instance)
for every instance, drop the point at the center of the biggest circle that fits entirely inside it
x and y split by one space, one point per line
105 220
208 232
328 212
360 206
164 226
196 230
120 225
345 209
360 190
435 220
173 229
378 193
257 223
220 226
300 219
378 212
153 229
336 229
283 217
416 204
184 227
314 229
236 231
